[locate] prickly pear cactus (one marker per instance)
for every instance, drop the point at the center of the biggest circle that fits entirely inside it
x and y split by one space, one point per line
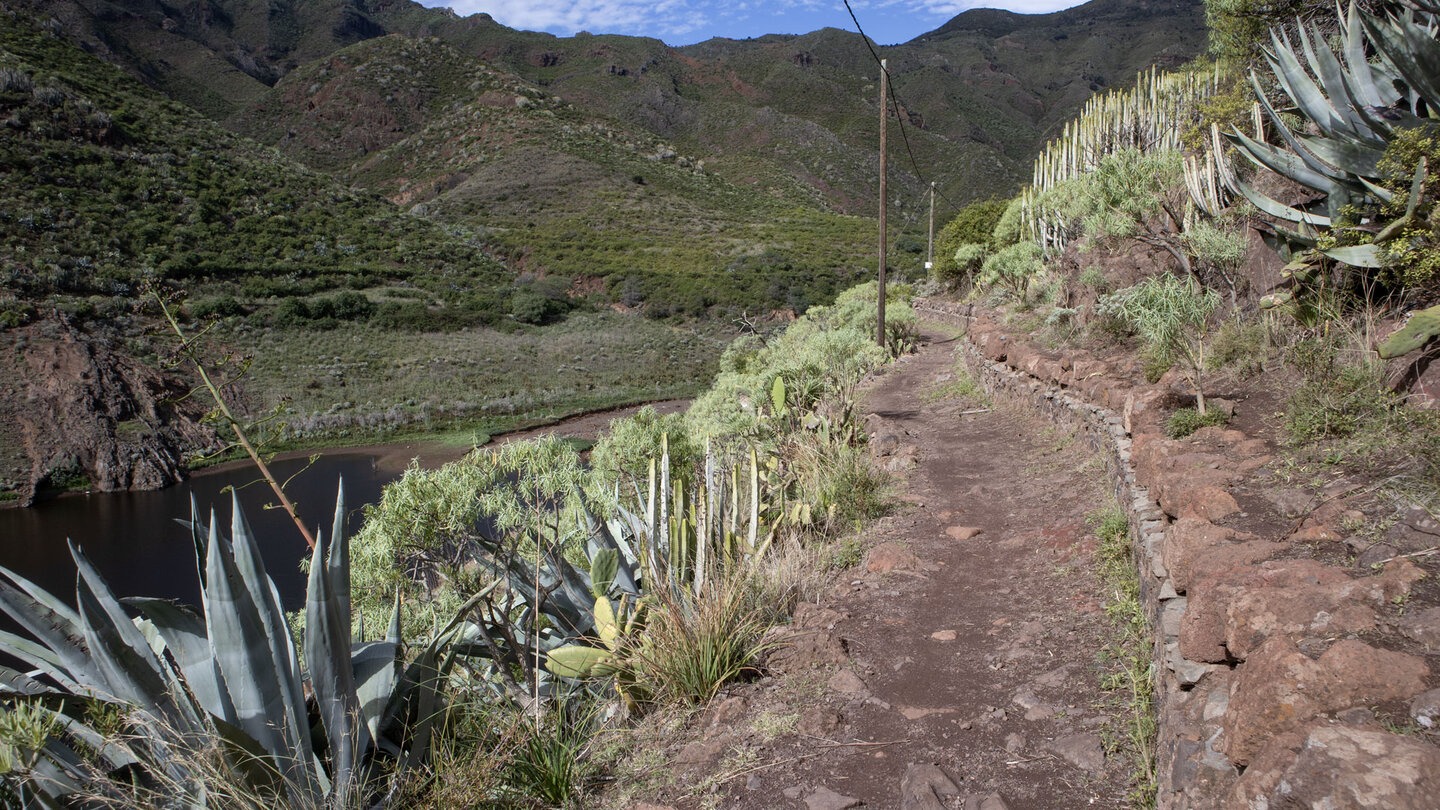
1423 326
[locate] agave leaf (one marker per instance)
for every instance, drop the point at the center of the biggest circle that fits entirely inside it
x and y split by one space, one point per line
1298 85
1304 236
1413 53
59 607
327 651
338 560
259 675
1311 162
377 669
184 635
18 683
43 659
58 773
1278 209
1279 161
1356 255
1384 194
1332 76
1348 156
128 667
267 598
1361 80
58 630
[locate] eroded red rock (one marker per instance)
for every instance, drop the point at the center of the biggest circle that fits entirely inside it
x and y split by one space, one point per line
1280 688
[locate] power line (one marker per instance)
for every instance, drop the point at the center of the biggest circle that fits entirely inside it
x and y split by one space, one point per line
895 102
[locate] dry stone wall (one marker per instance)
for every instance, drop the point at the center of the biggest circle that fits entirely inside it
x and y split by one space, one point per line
1281 679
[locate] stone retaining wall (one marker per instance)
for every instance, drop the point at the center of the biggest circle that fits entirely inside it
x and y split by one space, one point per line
1265 692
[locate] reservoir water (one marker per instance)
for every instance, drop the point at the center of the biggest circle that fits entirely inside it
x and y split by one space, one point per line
135 541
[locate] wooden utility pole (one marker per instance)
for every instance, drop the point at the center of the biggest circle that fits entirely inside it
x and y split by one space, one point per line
884 119
930 245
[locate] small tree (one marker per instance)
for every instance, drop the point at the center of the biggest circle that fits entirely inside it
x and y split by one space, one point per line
1137 195
1012 268
967 260
972 226
1172 315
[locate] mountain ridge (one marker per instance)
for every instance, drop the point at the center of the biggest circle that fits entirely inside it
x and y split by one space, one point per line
696 94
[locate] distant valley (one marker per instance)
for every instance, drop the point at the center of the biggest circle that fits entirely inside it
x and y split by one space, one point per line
344 183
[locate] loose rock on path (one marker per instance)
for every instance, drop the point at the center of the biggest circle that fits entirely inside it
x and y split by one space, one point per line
958 665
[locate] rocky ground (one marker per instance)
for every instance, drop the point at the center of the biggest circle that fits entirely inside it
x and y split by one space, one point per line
1296 613
956 666
1294 618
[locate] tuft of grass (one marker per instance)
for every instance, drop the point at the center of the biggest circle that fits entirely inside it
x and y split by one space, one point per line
962 386
1186 421
693 646
1129 678
845 554
473 750
550 765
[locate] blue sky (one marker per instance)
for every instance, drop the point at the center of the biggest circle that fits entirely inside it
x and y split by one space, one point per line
681 22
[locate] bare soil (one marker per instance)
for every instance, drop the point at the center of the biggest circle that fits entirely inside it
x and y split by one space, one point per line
978 656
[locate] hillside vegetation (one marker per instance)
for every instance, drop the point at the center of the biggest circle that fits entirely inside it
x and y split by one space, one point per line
786 116
110 187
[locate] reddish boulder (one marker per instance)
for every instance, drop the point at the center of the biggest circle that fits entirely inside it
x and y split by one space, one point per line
1230 611
888 557
1346 767
1197 493
1279 688
1194 545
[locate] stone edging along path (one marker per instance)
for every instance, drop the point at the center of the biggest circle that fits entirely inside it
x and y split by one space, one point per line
1279 679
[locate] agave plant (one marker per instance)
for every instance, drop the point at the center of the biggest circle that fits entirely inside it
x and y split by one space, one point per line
1356 108
228 677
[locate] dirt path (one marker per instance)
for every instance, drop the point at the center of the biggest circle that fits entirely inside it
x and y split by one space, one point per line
972 664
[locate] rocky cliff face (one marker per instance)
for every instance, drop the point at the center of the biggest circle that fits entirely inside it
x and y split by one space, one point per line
84 410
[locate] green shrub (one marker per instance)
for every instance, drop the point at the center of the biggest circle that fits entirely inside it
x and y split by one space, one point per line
223 306
1172 315
1185 421
962 265
1007 228
626 448
1094 278
974 225
1240 346
1011 269
535 309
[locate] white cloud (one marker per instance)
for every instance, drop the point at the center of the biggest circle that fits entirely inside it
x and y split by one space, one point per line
663 17
672 19
950 8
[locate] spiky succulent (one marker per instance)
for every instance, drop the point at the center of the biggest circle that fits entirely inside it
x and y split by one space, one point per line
1356 108
227 678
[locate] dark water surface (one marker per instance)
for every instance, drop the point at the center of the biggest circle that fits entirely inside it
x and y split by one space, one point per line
133 539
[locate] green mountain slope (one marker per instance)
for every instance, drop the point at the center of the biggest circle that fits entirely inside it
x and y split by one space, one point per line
109 187
981 92
558 190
